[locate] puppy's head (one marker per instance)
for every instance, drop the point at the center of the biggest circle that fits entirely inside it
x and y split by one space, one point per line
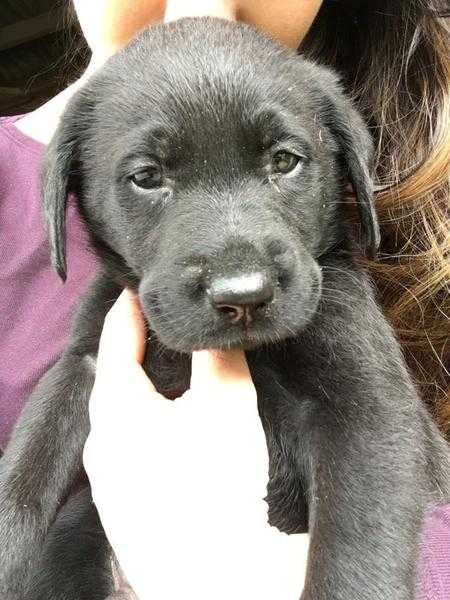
208 164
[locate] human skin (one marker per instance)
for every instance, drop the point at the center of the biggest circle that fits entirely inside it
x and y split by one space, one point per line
109 24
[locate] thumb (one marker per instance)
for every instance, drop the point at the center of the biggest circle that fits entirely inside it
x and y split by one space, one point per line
122 341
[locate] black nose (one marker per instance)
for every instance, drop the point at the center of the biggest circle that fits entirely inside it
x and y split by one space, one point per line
240 296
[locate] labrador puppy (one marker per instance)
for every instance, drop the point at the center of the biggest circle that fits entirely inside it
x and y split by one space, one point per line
209 165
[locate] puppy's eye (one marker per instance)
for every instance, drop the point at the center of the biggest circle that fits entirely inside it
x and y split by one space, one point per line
284 162
148 178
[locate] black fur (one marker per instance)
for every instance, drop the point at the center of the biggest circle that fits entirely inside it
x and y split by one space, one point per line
354 456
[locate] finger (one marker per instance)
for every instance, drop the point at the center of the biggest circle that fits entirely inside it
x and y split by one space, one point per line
121 384
222 373
123 337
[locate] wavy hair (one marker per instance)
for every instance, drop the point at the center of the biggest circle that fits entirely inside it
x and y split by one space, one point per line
394 59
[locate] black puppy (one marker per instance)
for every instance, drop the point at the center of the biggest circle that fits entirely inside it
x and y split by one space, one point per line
209 165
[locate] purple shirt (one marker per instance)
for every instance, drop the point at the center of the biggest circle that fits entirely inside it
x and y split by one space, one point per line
434 562
36 310
35 306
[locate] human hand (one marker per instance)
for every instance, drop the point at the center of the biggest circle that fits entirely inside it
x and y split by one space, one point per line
179 484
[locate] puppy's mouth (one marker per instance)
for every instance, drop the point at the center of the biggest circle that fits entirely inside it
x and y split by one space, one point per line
243 326
267 316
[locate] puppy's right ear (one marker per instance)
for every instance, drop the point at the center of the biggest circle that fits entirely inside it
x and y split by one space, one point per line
355 145
59 174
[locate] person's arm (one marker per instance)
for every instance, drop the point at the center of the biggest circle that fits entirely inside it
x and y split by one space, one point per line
179 485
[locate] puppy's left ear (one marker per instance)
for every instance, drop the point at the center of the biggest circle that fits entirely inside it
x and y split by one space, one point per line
59 175
356 147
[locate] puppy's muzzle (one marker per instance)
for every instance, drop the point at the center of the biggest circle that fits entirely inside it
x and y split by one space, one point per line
242 280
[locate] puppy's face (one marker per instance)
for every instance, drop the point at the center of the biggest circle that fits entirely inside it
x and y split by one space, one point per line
209 164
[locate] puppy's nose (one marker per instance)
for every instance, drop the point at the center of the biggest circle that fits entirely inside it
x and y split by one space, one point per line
240 296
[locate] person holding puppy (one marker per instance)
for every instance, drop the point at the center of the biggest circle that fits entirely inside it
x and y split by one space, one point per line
411 170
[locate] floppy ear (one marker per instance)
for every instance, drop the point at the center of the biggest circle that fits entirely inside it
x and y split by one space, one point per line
58 175
356 147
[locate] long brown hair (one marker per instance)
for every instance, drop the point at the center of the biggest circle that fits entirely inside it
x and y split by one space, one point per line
394 59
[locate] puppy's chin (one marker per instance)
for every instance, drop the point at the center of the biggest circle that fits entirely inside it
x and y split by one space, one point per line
246 341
